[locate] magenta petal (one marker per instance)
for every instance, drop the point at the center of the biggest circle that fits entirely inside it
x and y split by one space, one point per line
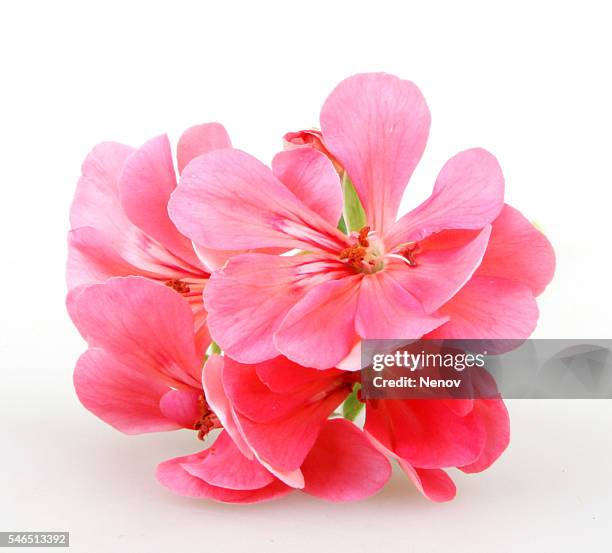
228 200
199 140
343 465
376 125
173 476
145 185
319 331
489 308
440 274
226 467
123 397
311 176
387 310
468 194
518 251
143 324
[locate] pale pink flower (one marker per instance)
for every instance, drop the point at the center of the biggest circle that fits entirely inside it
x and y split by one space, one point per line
459 265
119 219
142 373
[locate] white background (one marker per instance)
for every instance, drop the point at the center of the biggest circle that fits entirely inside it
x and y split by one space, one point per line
529 81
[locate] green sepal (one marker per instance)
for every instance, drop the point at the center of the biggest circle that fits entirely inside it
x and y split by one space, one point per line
352 406
354 214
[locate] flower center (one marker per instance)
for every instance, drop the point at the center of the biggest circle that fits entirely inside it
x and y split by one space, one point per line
207 421
178 285
365 255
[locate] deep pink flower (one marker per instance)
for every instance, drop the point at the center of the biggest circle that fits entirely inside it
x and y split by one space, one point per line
119 219
142 373
459 265
276 410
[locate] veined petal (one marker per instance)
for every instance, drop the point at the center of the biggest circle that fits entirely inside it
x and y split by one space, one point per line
434 483
440 273
312 178
468 194
144 325
343 465
125 398
173 475
489 308
226 467
426 433
319 331
228 200
92 259
377 125
518 251
247 300
145 184
201 139
494 416
386 310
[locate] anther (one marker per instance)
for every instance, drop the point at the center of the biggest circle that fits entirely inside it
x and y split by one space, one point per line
178 285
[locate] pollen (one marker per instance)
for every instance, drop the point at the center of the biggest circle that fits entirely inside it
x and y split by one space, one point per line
178 285
207 421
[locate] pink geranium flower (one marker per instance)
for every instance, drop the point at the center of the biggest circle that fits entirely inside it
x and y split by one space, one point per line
277 409
119 220
459 265
143 373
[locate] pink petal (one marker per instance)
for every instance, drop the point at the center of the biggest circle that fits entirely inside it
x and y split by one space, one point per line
494 416
173 476
387 310
489 308
468 194
284 443
319 331
228 200
313 179
125 398
212 380
518 251
343 465
143 324
250 296
253 399
310 138
199 140
434 484
426 433
145 185
376 125
282 375
226 467
181 406
92 259
440 274
96 202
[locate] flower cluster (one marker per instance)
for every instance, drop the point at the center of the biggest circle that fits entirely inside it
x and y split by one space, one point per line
231 299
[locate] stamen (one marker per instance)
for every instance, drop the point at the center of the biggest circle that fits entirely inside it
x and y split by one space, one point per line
178 285
207 421
409 252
